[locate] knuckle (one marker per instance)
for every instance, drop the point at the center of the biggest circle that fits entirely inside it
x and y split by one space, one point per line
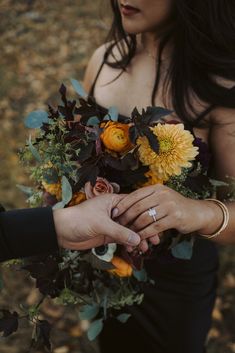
156 226
143 234
136 209
177 215
159 187
171 205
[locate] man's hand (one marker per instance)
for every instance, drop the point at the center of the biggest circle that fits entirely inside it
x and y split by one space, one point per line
90 225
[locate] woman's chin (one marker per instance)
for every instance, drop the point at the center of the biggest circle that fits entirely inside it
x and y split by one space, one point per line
132 29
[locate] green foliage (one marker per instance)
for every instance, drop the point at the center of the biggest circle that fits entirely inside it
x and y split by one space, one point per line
123 317
112 114
78 88
67 194
36 119
94 121
95 329
89 312
50 175
141 275
36 200
34 151
25 189
33 312
183 250
67 297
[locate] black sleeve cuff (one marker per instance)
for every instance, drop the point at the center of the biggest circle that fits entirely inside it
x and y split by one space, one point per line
27 232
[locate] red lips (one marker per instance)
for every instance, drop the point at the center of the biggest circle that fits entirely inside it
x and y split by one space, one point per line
128 10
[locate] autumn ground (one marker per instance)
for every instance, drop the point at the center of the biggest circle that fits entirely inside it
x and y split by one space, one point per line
44 43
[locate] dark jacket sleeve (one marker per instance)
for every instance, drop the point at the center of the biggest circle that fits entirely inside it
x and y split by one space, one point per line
26 232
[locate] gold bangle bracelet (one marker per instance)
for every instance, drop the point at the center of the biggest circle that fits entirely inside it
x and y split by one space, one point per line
224 225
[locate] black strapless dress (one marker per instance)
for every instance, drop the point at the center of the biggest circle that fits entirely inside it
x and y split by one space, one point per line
175 316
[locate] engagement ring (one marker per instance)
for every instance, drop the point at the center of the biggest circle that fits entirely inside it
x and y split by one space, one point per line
152 213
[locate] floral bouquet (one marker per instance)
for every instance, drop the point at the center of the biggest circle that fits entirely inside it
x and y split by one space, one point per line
80 151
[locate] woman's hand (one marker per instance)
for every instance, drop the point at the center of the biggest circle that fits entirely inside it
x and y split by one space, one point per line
89 225
173 211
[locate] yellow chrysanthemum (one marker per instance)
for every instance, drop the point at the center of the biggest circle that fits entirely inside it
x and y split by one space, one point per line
152 179
53 189
176 150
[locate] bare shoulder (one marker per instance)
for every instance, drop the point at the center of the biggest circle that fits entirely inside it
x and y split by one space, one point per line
222 115
94 64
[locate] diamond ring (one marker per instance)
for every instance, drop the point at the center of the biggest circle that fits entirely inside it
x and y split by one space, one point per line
152 213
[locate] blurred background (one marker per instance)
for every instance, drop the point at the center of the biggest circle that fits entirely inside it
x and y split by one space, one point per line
44 43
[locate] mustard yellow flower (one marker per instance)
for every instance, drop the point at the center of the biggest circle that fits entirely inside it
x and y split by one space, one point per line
53 189
78 198
152 179
176 150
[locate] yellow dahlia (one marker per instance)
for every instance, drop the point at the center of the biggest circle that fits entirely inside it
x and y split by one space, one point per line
152 179
176 150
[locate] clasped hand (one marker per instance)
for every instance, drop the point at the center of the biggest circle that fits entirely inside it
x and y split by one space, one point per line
90 225
173 211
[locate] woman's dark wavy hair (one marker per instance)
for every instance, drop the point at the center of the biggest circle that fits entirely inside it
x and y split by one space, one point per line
203 34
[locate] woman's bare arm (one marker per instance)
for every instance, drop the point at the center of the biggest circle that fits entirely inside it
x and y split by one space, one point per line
222 141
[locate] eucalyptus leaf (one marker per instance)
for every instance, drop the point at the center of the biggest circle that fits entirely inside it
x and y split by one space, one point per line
141 275
58 205
123 317
67 192
25 189
95 329
88 312
113 113
34 151
218 183
36 119
183 250
94 120
78 88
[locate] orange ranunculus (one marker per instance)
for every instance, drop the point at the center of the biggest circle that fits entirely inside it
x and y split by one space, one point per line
115 137
77 198
122 268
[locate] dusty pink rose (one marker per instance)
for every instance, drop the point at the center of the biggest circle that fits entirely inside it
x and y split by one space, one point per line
102 186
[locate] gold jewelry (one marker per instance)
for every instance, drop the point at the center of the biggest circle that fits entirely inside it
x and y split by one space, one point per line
224 225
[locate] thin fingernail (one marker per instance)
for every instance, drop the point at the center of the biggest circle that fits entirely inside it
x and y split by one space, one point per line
115 212
133 239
